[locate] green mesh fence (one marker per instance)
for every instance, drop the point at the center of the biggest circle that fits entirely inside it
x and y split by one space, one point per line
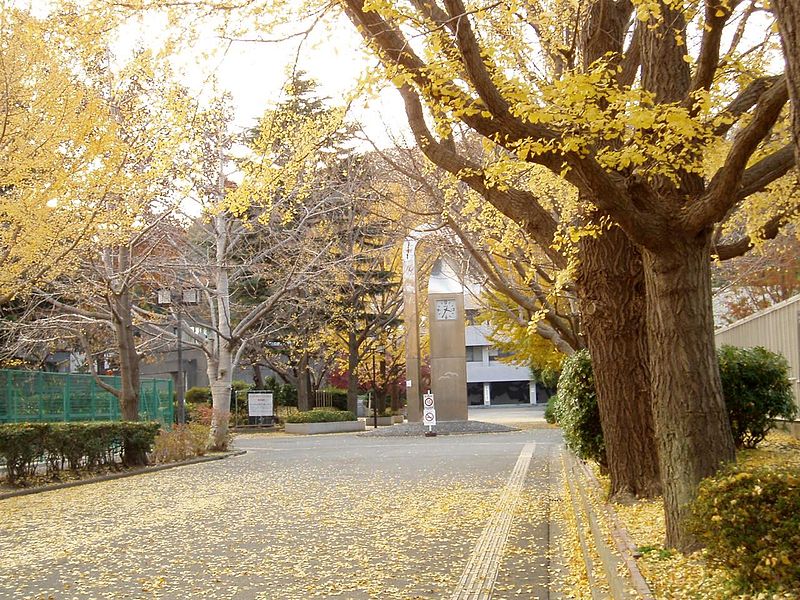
29 396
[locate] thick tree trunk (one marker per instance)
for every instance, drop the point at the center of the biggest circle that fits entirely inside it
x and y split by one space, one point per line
129 373
394 394
352 372
303 384
128 357
787 13
258 377
610 284
692 426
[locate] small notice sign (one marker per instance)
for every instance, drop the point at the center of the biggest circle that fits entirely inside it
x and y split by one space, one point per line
429 417
427 400
259 404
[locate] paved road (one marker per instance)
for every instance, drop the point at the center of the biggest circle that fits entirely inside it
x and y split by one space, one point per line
338 516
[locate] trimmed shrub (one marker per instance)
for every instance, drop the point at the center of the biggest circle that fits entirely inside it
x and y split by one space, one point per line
551 410
22 445
137 440
91 444
750 522
756 387
321 415
576 408
197 395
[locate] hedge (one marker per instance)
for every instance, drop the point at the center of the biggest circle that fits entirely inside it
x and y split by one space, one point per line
575 408
73 445
749 519
321 415
755 386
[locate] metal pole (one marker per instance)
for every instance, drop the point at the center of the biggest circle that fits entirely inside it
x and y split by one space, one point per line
179 391
374 397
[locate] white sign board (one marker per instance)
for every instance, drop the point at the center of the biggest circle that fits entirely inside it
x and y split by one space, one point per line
408 383
429 417
427 401
259 404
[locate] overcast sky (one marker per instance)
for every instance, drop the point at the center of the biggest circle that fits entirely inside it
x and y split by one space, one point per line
255 72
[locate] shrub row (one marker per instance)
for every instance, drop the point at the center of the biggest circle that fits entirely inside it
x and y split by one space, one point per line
749 519
321 415
73 445
755 385
575 408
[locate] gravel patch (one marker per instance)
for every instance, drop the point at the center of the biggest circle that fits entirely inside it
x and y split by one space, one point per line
442 428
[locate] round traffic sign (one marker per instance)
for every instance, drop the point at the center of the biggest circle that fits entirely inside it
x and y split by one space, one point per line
428 401
429 416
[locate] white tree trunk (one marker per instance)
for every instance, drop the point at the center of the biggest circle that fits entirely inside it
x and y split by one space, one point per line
220 380
220 369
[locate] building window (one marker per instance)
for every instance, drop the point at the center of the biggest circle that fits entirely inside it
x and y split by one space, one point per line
495 354
475 394
511 392
474 353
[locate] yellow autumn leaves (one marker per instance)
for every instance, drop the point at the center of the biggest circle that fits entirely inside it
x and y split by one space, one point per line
84 147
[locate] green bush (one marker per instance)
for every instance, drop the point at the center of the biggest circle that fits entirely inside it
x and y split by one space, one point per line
338 397
756 387
321 415
91 444
750 522
22 445
549 378
284 394
551 410
576 408
197 395
137 440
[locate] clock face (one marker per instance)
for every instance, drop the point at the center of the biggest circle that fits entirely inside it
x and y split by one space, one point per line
445 310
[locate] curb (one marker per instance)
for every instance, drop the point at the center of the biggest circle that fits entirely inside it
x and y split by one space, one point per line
121 475
622 540
617 561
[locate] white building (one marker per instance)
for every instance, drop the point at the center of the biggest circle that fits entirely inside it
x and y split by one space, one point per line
491 381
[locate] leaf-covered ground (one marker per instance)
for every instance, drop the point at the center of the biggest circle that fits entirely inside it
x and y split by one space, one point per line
295 518
673 576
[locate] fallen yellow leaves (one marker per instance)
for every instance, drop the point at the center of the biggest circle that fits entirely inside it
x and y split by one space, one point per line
673 576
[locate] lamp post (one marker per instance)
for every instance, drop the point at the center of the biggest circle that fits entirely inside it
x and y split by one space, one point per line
188 297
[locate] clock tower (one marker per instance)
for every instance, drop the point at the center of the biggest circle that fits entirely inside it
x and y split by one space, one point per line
448 344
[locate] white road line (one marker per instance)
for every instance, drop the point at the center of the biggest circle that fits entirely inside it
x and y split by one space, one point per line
477 581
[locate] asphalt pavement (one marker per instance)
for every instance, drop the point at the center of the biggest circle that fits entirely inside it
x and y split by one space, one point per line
297 517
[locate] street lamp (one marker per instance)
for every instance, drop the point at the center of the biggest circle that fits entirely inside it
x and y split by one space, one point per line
188 297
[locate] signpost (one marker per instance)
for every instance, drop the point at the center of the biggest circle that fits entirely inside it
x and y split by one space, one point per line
428 414
260 405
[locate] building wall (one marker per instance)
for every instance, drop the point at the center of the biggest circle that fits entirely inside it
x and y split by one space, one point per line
165 364
776 329
482 371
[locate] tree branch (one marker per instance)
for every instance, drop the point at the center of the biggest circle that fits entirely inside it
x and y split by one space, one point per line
721 194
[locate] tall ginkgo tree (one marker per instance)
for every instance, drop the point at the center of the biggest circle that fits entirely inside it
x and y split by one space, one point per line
60 150
662 131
